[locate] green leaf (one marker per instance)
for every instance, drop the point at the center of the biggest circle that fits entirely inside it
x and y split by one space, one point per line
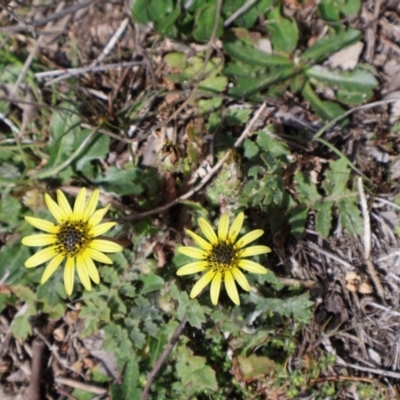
351 7
116 341
128 389
196 375
337 177
157 10
123 182
355 80
80 394
151 283
207 105
176 60
216 84
331 44
65 133
323 221
140 13
278 149
9 211
99 148
329 10
195 314
250 148
297 307
284 33
12 259
350 217
306 188
166 23
326 110
205 19
250 55
247 87
255 366
297 220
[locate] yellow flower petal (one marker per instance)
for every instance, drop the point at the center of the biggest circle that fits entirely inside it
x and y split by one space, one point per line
91 204
43 239
51 267
231 288
42 224
105 246
254 250
192 268
201 283
98 256
41 257
69 275
199 240
223 227
63 203
236 227
252 266
80 202
55 210
83 273
98 216
101 228
208 231
91 268
192 252
248 238
241 279
215 288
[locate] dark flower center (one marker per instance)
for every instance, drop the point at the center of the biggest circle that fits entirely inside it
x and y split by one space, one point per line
223 256
72 238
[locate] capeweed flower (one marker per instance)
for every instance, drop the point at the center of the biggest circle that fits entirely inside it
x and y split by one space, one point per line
223 257
72 238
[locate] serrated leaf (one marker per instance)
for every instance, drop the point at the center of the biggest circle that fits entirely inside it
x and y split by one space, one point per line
9 211
151 283
250 148
247 87
350 217
323 220
123 182
195 314
306 188
130 388
337 177
276 147
283 31
297 220
331 44
297 307
196 375
250 55
355 80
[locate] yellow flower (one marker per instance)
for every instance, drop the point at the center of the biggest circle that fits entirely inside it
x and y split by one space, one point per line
223 257
72 238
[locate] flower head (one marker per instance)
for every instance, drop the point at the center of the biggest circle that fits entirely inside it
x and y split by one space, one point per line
223 257
72 238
